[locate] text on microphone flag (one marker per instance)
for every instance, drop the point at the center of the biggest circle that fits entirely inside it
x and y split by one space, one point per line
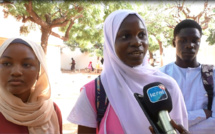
157 93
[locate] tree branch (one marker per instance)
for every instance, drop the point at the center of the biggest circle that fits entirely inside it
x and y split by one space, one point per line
171 26
56 13
68 29
48 18
6 13
25 19
66 37
60 24
66 21
59 20
205 26
33 15
58 36
201 13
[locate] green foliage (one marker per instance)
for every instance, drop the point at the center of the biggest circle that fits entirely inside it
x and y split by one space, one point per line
88 32
54 8
156 24
153 44
211 37
110 6
24 30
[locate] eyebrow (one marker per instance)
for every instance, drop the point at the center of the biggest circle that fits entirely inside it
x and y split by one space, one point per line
124 30
129 30
7 57
195 37
141 29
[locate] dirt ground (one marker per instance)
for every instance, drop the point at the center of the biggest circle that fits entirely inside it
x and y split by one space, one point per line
65 91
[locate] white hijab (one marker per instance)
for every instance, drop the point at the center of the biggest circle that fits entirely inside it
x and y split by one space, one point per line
121 82
38 112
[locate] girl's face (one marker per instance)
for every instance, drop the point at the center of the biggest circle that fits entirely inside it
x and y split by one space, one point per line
131 42
19 69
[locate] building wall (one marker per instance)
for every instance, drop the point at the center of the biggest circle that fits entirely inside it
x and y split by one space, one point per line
82 59
53 59
53 62
2 39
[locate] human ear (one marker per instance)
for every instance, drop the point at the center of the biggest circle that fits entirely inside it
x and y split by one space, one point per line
173 42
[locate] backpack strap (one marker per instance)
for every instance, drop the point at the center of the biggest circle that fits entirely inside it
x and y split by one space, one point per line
101 100
207 79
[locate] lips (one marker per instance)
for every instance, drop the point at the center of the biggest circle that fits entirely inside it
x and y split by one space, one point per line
16 82
136 53
188 53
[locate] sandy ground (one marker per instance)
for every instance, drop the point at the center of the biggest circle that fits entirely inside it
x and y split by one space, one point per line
65 91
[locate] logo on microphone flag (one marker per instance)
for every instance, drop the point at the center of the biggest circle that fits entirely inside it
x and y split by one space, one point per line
157 93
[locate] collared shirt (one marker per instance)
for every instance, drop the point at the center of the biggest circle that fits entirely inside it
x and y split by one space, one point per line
195 96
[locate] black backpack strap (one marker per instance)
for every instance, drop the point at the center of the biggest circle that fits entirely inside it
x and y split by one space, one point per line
101 100
207 79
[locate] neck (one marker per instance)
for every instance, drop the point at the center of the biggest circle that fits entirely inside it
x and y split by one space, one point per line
24 96
185 64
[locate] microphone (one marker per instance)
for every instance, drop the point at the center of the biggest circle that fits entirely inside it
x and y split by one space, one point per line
156 105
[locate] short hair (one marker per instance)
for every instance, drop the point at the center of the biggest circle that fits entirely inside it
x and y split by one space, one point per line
187 23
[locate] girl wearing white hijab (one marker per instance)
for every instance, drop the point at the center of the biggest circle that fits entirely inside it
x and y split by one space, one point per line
125 72
25 104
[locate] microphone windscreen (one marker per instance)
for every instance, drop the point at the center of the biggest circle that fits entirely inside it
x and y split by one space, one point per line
156 98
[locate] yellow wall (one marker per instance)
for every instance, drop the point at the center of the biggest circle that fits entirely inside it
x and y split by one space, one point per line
2 39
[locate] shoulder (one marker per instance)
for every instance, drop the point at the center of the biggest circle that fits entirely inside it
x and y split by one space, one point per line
208 68
89 88
168 81
90 85
9 127
166 67
84 112
59 116
57 109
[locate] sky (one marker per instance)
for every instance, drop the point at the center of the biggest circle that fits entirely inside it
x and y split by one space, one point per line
10 28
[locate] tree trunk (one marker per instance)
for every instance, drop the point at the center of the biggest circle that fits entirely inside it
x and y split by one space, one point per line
161 52
44 38
151 59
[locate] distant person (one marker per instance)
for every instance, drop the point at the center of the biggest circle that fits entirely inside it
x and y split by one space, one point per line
102 60
90 66
73 65
126 71
97 67
25 94
189 74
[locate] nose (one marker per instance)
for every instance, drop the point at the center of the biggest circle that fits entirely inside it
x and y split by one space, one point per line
190 45
16 71
136 42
